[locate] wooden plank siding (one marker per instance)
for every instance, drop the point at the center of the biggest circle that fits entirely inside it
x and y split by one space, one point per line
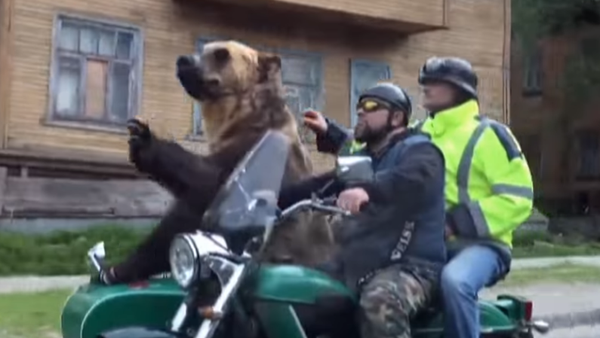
476 31
403 16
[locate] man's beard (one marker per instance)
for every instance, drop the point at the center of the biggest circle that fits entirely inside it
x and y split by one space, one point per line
369 135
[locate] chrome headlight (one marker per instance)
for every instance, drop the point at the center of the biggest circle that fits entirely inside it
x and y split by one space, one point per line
184 260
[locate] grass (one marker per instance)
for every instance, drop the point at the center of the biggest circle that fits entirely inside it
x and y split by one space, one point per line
32 315
561 273
63 253
529 244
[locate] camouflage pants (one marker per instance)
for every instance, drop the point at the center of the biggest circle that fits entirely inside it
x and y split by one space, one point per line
391 298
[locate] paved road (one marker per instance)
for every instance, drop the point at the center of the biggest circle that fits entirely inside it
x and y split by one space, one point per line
551 298
578 332
33 283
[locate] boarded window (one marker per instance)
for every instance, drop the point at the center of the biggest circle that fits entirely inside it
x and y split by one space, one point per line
302 80
589 155
94 72
532 73
364 74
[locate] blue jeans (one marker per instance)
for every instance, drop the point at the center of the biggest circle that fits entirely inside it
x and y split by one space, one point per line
465 274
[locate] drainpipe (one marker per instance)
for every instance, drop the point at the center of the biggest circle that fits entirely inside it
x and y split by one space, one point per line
6 45
506 62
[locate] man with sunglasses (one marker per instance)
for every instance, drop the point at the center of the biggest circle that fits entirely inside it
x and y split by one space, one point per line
489 190
393 249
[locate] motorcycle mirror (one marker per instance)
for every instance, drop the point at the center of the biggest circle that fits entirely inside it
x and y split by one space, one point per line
96 255
354 168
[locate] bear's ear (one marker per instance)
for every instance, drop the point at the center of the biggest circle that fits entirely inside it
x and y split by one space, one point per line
267 64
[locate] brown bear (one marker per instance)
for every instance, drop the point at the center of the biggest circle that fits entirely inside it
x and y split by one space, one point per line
241 94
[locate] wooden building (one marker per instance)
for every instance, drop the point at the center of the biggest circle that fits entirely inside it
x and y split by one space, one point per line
71 72
559 129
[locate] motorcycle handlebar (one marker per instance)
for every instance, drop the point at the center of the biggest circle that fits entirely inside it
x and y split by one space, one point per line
325 205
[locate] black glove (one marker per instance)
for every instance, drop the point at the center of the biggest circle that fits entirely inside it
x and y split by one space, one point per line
140 139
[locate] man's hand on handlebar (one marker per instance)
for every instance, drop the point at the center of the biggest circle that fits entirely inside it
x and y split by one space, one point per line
353 199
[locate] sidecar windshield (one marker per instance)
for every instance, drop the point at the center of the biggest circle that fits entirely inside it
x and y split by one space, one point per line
247 202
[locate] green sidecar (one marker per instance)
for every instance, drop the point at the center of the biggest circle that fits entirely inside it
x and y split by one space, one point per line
250 299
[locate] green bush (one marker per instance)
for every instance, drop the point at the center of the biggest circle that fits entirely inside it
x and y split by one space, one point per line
529 244
63 252
526 238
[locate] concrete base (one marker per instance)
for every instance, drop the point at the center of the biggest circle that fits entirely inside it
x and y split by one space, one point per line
46 225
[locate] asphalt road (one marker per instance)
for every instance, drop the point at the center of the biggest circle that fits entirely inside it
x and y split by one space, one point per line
553 298
581 301
578 332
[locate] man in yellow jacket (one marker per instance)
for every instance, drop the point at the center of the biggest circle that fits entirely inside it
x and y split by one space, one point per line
489 190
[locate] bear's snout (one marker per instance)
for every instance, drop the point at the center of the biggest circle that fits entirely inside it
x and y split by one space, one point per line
186 61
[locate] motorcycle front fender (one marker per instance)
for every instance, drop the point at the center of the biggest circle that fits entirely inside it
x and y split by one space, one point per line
138 332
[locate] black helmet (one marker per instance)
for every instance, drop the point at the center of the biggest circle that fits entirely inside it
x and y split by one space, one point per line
392 94
456 71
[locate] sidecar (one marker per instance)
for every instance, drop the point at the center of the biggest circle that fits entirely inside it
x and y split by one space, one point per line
93 308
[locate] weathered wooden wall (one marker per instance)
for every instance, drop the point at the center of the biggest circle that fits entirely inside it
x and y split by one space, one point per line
23 197
476 30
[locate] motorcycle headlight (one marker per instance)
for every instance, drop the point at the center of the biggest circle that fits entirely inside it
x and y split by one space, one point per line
183 257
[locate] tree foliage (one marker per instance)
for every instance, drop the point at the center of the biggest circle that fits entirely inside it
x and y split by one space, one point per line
534 19
537 19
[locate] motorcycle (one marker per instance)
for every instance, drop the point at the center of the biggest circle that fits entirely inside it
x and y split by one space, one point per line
220 288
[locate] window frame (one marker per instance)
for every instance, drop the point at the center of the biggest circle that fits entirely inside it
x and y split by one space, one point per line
136 76
533 69
282 52
353 78
580 174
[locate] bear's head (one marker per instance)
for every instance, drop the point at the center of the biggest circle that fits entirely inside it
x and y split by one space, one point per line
226 68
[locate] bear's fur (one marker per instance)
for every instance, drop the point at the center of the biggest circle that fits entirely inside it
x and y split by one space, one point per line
241 95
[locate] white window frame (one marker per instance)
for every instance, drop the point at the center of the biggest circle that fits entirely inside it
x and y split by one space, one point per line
135 84
354 76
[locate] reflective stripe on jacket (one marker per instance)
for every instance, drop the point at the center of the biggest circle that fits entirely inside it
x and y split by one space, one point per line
489 189
351 147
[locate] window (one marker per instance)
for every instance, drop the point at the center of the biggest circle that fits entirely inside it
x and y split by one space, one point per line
532 73
364 74
302 81
95 72
589 155
197 116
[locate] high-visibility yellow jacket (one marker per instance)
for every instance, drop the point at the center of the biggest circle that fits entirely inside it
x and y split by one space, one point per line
489 189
